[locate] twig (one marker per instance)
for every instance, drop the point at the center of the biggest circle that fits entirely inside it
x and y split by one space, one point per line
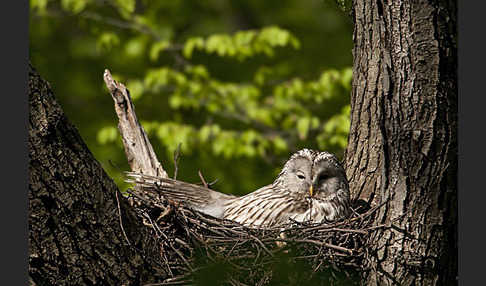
164 213
344 230
202 179
141 198
120 218
212 183
181 256
119 24
183 243
262 245
320 243
340 248
176 160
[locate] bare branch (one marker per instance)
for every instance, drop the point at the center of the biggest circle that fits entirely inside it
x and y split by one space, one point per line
206 185
177 154
140 154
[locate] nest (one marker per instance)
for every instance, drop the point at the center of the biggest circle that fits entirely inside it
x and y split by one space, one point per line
194 246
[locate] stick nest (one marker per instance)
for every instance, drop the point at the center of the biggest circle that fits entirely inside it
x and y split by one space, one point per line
194 245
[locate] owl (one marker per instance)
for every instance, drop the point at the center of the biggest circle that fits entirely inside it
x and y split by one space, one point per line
311 188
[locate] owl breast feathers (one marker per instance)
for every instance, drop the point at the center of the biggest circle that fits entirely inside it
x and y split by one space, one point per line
312 187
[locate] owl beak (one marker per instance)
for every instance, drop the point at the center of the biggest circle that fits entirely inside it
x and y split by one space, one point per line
311 190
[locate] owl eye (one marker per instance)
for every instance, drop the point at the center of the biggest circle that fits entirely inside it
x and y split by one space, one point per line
300 176
323 177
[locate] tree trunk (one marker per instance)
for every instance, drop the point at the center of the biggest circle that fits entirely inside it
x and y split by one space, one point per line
81 231
402 147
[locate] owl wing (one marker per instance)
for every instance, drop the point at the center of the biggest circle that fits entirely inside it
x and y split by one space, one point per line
196 197
267 206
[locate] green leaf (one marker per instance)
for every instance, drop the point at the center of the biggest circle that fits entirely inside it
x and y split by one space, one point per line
279 144
261 75
38 5
220 44
135 47
335 131
303 125
314 122
199 71
346 77
149 126
126 7
176 101
107 134
208 131
157 48
294 42
106 41
242 44
191 44
156 78
136 89
74 6
244 38
179 78
205 133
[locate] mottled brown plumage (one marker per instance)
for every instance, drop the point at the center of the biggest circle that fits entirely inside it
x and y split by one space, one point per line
312 187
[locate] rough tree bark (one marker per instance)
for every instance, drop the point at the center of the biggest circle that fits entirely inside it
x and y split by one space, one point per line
402 146
81 231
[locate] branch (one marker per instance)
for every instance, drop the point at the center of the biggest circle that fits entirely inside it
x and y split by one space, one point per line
121 24
140 154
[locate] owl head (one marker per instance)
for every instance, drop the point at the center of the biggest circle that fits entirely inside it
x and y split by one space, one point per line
316 175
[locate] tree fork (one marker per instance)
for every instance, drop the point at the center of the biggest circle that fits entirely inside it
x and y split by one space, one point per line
402 146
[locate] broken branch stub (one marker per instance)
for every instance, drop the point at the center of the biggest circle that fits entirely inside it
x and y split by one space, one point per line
140 154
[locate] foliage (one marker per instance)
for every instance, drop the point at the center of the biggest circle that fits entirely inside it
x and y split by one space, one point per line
240 84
